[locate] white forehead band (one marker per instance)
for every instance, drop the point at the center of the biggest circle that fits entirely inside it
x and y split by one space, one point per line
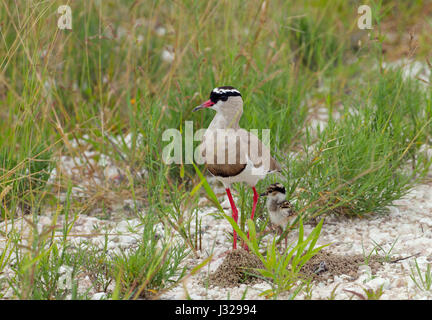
217 90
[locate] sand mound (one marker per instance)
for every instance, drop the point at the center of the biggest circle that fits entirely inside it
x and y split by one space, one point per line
236 269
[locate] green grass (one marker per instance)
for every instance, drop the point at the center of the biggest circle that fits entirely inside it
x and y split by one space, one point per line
149 268
24 176
106 78
282 270
422 280
369 294
358 164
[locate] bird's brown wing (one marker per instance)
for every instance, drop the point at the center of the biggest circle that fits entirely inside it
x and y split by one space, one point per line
228 155
287 208
226 170
224 157
257 152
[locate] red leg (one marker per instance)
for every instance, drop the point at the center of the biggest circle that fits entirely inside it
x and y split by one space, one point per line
234 215
255 201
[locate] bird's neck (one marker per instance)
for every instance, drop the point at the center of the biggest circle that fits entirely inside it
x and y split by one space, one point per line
225 121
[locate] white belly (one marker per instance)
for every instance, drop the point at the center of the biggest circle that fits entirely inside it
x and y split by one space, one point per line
250 175
278 219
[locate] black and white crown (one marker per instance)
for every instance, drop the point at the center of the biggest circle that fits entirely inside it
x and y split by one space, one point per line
222 93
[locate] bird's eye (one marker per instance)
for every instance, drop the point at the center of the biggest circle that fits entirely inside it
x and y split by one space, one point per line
224 98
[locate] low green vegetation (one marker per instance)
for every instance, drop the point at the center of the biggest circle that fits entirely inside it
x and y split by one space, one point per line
423 280
360 163
136 68
282 270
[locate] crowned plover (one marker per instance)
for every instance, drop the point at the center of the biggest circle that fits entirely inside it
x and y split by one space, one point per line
280 210
233 154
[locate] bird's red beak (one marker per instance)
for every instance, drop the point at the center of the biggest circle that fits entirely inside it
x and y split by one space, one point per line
206 104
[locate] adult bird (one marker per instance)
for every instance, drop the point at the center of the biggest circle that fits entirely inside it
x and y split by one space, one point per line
231 153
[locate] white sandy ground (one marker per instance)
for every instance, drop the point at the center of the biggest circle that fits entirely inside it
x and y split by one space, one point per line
408 226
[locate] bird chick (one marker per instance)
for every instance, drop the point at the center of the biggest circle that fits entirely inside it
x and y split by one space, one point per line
280 210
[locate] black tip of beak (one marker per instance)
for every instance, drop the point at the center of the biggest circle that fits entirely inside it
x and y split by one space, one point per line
206 104
263 194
